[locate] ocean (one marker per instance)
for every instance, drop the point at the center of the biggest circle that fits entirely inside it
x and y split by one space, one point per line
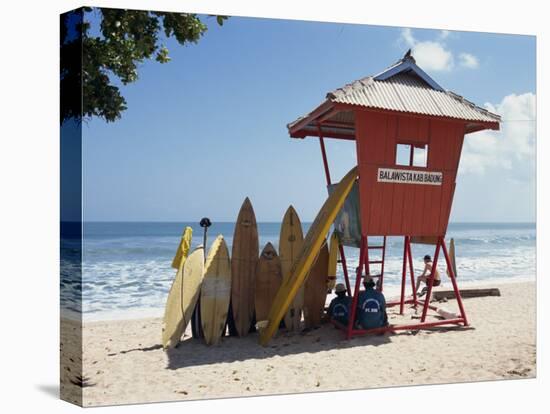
126 267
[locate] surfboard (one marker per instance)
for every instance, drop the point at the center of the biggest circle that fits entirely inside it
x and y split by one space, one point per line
333 261
312 245
452 257
315 290
215 291
183 248
244 259
268 280
183 298
291 240
173 309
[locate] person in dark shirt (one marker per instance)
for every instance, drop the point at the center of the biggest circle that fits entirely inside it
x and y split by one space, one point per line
340 306
371 307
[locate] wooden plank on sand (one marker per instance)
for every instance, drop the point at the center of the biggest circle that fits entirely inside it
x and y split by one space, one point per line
466 293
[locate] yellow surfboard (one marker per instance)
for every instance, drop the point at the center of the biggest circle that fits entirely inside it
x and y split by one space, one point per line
215 291
173 311
180 309
291 240
183 248
312 245
333 261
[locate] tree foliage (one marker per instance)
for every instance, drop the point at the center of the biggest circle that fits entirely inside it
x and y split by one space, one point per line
94 58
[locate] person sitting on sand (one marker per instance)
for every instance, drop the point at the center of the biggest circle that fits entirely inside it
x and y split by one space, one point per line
424 277
371 307
339 307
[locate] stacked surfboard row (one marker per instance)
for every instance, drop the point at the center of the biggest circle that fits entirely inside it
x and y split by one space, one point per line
238 291
311 296
307 257
199 288
269 288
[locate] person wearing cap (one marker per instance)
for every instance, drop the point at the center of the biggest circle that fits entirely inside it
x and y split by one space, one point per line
339 307
371 307
426 274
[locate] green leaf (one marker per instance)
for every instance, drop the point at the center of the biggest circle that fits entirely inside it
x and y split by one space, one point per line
126 39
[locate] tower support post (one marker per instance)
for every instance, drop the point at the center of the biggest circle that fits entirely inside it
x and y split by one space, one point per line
411 270
452 276
404 274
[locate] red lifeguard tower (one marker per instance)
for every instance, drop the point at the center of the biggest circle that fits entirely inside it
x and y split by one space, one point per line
409 133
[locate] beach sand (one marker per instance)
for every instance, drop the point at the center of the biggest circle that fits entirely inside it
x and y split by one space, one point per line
124 362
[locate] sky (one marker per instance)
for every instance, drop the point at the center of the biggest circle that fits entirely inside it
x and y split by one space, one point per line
208 129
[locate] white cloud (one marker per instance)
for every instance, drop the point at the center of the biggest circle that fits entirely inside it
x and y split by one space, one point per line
429 55
468 60
434 54
406 35
444 34
512 149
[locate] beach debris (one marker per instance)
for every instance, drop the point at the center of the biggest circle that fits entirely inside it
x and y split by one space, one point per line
446 314
181 392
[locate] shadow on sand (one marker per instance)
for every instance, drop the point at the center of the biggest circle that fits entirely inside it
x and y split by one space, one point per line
193 352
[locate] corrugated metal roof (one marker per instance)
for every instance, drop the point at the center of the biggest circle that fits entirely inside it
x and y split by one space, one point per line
405 92
403 87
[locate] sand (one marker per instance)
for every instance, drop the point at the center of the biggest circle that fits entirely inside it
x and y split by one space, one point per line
124 362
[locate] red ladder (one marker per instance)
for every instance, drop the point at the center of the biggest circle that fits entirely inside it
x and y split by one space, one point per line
342 261
368 262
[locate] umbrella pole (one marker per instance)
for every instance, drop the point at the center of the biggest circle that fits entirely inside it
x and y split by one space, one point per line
196 318
205 223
